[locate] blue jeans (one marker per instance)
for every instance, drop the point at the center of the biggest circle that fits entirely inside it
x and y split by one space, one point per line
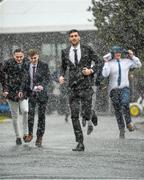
120 99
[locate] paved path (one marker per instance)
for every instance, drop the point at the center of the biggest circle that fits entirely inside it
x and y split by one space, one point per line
105 157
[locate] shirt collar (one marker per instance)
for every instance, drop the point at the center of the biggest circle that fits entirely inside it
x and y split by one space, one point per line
117 60
77 47
33 65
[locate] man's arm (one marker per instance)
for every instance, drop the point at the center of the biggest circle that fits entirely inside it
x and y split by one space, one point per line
106 69
2 77
98 64
46 78
5 78
64 64
25 74
63 67
134 60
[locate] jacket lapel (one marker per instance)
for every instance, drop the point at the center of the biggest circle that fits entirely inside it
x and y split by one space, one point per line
67 52
38 70
82 52
67 55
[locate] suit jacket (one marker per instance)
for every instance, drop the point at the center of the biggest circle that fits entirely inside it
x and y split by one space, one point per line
76 79
42 78
1 74
15 78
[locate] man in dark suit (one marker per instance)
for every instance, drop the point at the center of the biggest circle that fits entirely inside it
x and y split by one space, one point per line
1 74
39 76
77 59
14 89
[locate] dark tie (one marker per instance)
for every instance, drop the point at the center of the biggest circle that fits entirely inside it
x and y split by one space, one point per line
34 72
75 57
119 73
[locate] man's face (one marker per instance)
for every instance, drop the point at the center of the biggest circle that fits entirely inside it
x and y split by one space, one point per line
18 56
74 38
34 59
117 55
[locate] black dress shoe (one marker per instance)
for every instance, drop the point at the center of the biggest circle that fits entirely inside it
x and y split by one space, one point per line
89 129
66 118
18 141
79 147
83 122
94 118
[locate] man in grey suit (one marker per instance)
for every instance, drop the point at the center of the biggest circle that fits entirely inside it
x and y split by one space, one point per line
78 59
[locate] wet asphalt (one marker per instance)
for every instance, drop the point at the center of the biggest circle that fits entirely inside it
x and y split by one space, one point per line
105 156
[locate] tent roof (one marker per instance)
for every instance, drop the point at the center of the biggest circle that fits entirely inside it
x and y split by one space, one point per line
18 16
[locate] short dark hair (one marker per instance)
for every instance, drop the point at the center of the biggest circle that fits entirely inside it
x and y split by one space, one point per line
32 52
18 50
72 31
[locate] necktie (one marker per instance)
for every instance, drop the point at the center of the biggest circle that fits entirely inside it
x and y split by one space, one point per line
75 57
119 73
34 72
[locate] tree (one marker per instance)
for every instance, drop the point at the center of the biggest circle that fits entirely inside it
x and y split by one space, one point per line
120 22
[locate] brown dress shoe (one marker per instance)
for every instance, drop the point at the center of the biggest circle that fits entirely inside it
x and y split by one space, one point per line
38 142
29 138
130 127
25 137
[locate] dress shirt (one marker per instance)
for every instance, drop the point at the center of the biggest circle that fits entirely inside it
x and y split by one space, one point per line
72 54
111 69
31 74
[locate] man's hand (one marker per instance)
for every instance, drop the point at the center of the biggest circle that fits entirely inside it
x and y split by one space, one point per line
107 57
5 94
38 88
20 95
61 80
130 54
87 71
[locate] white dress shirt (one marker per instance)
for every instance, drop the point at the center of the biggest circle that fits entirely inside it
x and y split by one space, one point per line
111 69
31 74
72 55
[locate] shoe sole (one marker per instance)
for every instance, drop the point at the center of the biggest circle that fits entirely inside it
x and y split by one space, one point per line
88 133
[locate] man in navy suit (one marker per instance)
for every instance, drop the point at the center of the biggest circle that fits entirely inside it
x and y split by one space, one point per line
39 76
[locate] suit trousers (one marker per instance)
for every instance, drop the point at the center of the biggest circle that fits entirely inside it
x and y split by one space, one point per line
33 101
120 99
77 98
14 108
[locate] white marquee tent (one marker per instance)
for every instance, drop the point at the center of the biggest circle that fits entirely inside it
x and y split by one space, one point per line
18 16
